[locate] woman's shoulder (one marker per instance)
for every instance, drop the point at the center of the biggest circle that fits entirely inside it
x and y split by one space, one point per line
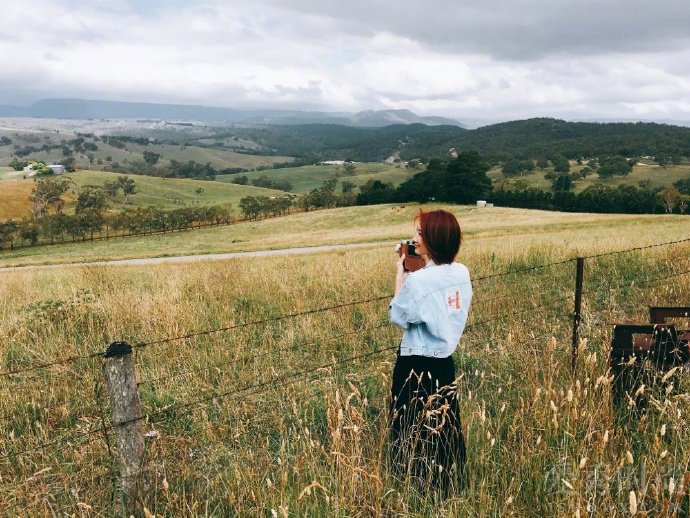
459 267
440 273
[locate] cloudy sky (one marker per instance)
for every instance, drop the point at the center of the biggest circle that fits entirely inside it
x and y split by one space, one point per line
466 59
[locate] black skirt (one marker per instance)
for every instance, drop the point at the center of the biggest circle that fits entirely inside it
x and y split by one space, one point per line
427 444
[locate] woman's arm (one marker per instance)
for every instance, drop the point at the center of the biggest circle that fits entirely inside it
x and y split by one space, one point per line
400 275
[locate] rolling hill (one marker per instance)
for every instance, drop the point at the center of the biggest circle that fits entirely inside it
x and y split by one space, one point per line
167 193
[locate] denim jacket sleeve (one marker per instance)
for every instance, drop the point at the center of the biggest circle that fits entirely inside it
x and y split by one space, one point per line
404 309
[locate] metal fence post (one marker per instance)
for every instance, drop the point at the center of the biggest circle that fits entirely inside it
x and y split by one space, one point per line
120 380
579 276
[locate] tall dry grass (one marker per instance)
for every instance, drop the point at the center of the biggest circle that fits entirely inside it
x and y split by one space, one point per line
541 442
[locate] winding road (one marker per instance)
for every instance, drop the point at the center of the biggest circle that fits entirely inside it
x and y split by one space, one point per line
206 257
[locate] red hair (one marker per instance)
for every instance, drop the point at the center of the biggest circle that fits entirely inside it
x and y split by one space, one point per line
441 234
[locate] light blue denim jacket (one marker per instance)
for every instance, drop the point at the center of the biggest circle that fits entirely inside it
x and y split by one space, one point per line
432 307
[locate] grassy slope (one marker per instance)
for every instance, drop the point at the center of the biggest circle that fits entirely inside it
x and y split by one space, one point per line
166 193
218 158
509 229
658 176
541 442
306 178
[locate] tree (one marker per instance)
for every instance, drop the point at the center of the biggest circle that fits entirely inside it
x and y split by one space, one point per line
327 193
683 185
151 157
69 164
29 232
111 188
8 231
91 197
47 193
614 166
670 198
514 167
250 207
282 185
262 181
218 214
128 187
560 163
347 186
413 165
349 168
562 182
542 163
18 164
511 168
374 192
663 159
465 179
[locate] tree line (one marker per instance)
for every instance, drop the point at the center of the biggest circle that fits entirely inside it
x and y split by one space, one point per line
461 180
91 224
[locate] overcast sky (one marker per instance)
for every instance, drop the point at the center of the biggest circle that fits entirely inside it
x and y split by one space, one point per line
465 59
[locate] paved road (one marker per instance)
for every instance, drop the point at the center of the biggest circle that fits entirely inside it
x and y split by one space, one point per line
207 257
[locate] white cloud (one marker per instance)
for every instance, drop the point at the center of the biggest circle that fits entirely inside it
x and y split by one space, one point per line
491 60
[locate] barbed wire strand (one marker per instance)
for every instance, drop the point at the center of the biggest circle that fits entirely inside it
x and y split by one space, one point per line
629 283
261 321
317 310
52 363
268 383
255 388
195 334
522 270
250 357
224 395
637 248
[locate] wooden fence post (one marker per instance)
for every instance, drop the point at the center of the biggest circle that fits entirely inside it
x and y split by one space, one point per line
120 380
577 313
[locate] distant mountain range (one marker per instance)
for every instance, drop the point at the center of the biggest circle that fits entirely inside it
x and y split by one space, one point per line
88 109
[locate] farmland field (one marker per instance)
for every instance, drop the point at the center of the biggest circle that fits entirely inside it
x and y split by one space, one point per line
306 178
566 231
167 193
657 176
218 158
288 416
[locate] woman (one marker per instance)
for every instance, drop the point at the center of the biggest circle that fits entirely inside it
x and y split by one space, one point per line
431 306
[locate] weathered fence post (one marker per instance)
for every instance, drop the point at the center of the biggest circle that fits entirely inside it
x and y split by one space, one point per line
579 276
121 384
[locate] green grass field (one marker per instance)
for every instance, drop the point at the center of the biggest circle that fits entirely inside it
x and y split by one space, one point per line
656 175
568 232
313 441
168 193
306 178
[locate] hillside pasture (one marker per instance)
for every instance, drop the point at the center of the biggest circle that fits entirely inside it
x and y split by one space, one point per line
279 416
508 229
7 173
657 176
167 193
306 178
218 158
14 199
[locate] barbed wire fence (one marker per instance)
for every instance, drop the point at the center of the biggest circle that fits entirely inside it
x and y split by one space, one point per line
491 310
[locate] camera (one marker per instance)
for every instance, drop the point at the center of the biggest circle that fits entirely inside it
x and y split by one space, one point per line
412 262
407 248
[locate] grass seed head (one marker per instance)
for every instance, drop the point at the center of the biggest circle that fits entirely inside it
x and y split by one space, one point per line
633 503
